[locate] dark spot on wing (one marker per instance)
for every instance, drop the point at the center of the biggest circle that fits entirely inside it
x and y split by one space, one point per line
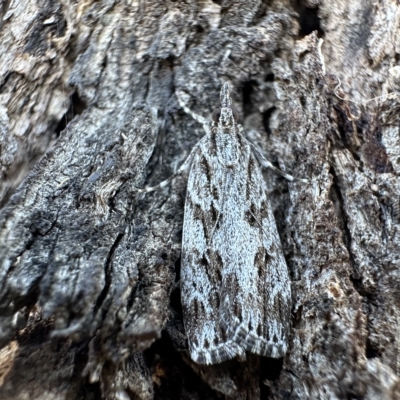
264 210
254 210
205 167
197 212
195 309
217 300
250 326
275 339
206 344
259 330
249 216
215 340
213 143
215 264
259 262
205 231
218 270
267 260
215 193
208 266
203 261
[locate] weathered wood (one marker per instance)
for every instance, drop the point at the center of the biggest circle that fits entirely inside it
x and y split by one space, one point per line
89 301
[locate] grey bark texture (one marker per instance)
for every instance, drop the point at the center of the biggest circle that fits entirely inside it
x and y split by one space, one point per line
89 268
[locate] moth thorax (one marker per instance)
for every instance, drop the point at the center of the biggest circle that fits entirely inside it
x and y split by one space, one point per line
227 148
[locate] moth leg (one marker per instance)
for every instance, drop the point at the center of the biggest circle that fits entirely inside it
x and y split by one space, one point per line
195 116
184 167
265 163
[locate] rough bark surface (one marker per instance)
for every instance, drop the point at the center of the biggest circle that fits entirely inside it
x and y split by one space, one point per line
89 300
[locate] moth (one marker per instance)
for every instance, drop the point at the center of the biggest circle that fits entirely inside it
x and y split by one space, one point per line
235 286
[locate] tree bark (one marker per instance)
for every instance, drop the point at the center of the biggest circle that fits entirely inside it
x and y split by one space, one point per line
89 268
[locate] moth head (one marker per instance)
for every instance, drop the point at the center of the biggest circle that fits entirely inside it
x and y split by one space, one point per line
226 115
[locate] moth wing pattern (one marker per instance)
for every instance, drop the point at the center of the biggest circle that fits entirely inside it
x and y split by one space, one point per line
235 285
